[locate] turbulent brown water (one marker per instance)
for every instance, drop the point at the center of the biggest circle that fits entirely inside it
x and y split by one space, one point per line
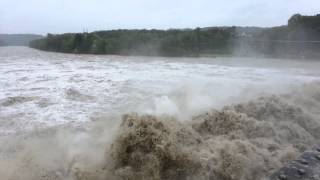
241 126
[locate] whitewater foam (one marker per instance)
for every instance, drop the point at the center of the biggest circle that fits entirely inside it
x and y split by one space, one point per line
245 141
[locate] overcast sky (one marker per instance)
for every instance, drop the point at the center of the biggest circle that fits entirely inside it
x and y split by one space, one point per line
59 16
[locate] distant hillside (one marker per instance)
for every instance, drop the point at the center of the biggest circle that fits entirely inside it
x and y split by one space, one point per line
2 43
300 38
18 39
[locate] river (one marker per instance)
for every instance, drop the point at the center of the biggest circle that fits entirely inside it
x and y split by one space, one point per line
41 90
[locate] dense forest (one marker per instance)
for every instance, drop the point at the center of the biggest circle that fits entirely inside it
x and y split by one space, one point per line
297 39
18 39
142 42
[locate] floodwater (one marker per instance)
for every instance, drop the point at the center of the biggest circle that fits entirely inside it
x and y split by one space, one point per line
208 118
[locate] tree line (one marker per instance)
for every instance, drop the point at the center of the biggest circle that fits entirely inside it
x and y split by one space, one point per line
297 38
189 42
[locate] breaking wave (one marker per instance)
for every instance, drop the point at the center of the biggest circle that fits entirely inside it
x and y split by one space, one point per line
243 141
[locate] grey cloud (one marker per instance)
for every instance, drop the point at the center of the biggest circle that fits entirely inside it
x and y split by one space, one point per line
58 16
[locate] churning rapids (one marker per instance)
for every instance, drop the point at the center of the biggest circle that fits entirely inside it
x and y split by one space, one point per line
86 117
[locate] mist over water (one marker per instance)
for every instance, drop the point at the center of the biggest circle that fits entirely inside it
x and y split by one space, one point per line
92 117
